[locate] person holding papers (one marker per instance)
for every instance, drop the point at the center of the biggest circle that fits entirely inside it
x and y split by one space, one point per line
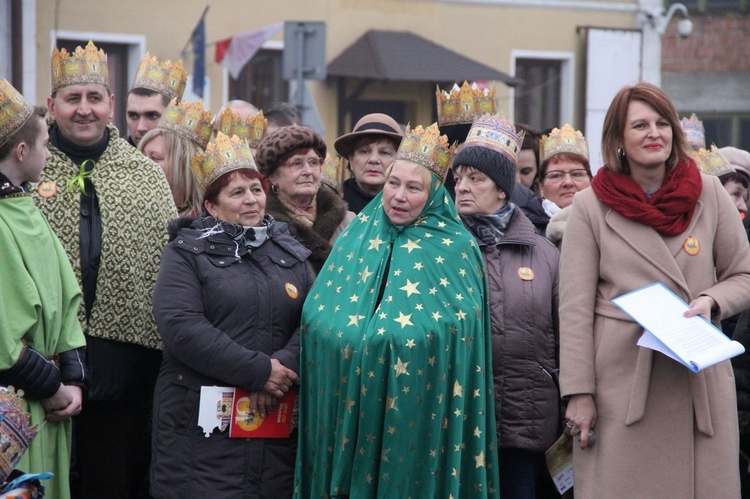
662 431
227 301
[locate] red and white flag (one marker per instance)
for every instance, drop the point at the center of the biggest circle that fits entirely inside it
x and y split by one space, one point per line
237 51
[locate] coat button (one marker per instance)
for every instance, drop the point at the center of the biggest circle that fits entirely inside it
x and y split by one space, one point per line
283 261
229 249
195 248
179 377
212 246
179 241
221 262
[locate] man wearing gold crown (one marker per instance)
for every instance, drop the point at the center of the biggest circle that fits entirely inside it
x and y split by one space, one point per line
110 207
41 342
154 87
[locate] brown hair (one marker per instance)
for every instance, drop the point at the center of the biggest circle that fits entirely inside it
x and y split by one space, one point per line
28 132
614 125
213 190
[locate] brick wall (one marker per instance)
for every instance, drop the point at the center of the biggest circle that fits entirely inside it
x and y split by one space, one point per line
719 42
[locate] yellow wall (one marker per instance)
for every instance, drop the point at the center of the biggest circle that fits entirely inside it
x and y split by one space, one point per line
483 32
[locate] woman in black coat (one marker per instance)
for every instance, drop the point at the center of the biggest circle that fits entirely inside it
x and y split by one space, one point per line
227 301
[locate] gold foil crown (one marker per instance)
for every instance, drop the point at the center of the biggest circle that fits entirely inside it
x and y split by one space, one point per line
223 155
252 128
166 78
87 65
189 120
496 133
465 104
15 428
563 140
694 132
712 162
426 147
14 111
333 172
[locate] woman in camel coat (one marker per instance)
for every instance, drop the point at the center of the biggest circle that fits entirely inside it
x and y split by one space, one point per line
662 431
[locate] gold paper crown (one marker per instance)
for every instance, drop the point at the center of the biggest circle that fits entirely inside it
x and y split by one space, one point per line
82 66
14 111
189 120
712 162
252 128
465 104
333 172
694 132
496 133
15 428
166 78
426 147
222 156
560 140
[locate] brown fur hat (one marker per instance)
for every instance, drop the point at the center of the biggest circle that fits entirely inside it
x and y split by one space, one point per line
285 141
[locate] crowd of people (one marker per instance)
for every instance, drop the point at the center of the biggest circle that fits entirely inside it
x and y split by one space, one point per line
438 301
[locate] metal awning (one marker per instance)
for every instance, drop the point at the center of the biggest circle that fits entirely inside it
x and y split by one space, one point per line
404 56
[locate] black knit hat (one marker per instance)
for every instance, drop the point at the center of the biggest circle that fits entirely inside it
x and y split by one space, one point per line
493 164
284 141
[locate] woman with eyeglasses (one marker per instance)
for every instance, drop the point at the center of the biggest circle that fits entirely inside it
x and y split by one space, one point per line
564 170
292 159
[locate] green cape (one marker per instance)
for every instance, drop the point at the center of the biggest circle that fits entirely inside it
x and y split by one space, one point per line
396 397
39 297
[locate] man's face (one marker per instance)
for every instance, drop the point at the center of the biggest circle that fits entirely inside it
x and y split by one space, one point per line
143 114
82 112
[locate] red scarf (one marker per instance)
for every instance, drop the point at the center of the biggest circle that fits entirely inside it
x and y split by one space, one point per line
669 210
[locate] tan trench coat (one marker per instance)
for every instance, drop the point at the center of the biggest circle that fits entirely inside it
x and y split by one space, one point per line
662 431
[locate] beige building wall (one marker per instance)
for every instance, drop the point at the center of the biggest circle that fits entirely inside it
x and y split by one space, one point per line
487 32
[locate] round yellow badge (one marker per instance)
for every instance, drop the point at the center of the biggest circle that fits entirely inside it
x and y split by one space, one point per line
691 246
291 290
525 273
47 189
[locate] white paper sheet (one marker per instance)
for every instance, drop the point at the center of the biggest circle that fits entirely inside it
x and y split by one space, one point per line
693 341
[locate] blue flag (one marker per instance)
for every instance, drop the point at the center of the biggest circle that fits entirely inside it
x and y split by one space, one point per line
198 39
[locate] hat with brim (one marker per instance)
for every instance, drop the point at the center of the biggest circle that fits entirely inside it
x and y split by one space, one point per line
375 125
738 158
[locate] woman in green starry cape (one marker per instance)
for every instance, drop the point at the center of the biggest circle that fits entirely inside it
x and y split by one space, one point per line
395 396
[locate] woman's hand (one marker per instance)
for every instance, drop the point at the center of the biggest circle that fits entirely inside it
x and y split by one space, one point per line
262 402
701 306
281 380
64 404
580 416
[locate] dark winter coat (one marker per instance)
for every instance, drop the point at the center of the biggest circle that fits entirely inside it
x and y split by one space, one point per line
331 219
523 317
534 211
222 319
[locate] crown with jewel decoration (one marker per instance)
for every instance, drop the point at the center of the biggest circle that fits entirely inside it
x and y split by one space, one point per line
87 65
563 140
496 133
223 155
189 120
465 104
694 132
333 172
712 162
14 111
16 432
426 147
252 128
166 78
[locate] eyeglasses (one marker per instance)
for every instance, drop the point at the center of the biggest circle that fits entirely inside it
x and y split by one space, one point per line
556 177
299 164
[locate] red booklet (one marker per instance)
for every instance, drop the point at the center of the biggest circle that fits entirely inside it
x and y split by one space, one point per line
276 424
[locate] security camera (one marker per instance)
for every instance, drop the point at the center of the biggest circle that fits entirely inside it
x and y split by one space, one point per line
684 27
